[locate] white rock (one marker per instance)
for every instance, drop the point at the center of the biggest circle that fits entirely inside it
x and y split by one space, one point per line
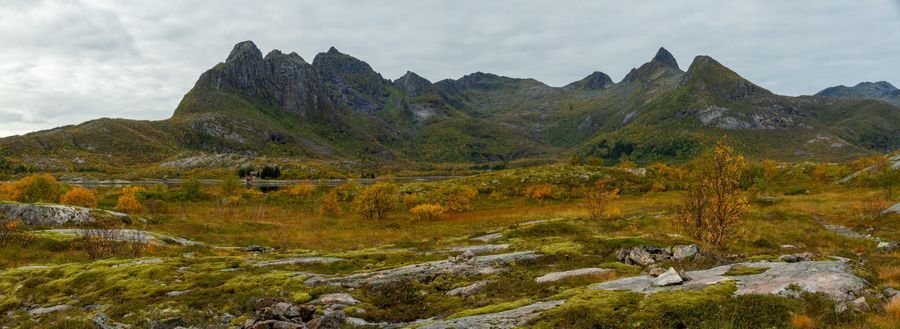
668 278
556 276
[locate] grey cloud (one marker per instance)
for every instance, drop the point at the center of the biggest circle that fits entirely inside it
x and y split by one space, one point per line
64 62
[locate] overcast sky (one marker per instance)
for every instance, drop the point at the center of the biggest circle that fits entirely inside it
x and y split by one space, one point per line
64 62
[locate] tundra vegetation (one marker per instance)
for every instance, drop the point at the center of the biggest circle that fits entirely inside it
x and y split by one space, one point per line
209 253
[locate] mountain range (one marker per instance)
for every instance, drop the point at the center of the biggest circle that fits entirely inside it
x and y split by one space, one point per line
337 107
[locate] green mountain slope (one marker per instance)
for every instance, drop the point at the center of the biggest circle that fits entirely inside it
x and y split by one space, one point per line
339 108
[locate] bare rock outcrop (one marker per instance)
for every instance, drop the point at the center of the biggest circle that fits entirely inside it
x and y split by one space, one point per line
833 278
55 214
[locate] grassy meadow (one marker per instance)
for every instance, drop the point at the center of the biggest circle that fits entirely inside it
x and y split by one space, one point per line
541 208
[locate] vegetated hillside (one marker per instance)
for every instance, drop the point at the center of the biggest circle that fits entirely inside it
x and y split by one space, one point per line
339 108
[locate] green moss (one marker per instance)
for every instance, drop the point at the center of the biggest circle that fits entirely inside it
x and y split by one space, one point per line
745 270
492 308
562 248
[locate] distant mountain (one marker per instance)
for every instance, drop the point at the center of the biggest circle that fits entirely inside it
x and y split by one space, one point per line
881 90
339 108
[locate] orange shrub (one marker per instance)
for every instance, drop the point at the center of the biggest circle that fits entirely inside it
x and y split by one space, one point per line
329 205
800 321
79 196
458 198
128 202
428 211
7 228
34 188
413 199
301 190
539 192
866 213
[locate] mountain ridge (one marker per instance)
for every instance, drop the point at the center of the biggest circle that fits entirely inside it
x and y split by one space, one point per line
339 108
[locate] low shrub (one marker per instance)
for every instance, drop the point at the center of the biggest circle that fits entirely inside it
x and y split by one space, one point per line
427 212
79 196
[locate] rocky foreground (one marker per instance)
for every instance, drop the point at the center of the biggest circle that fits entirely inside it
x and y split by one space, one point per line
365 288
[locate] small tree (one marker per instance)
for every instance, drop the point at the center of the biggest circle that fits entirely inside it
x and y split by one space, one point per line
539 192
79 196
714 202
600 203
329 205
270 172
375 201
427 212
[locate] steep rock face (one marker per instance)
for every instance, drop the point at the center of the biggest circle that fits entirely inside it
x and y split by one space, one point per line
413 84
662 66
351 81
282 80
594 81
881 90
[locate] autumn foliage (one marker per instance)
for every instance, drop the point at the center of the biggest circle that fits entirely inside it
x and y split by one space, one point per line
600 203
458 198
128 202
539 192
427 212
375 201
714 203
301 190
34 188
329 205
79 196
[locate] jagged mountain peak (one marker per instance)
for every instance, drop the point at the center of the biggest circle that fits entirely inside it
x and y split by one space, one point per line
275 53
596 80
244 50
662 65
413 84
333 50
665 57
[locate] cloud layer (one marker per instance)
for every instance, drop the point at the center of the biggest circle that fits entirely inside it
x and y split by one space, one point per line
64 62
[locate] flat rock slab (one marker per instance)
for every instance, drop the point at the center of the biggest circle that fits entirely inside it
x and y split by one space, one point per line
474 266
40 311
833 278
470 289
847 232
488 237
299 260
129 235
54 214
481 249
556 276
501 320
